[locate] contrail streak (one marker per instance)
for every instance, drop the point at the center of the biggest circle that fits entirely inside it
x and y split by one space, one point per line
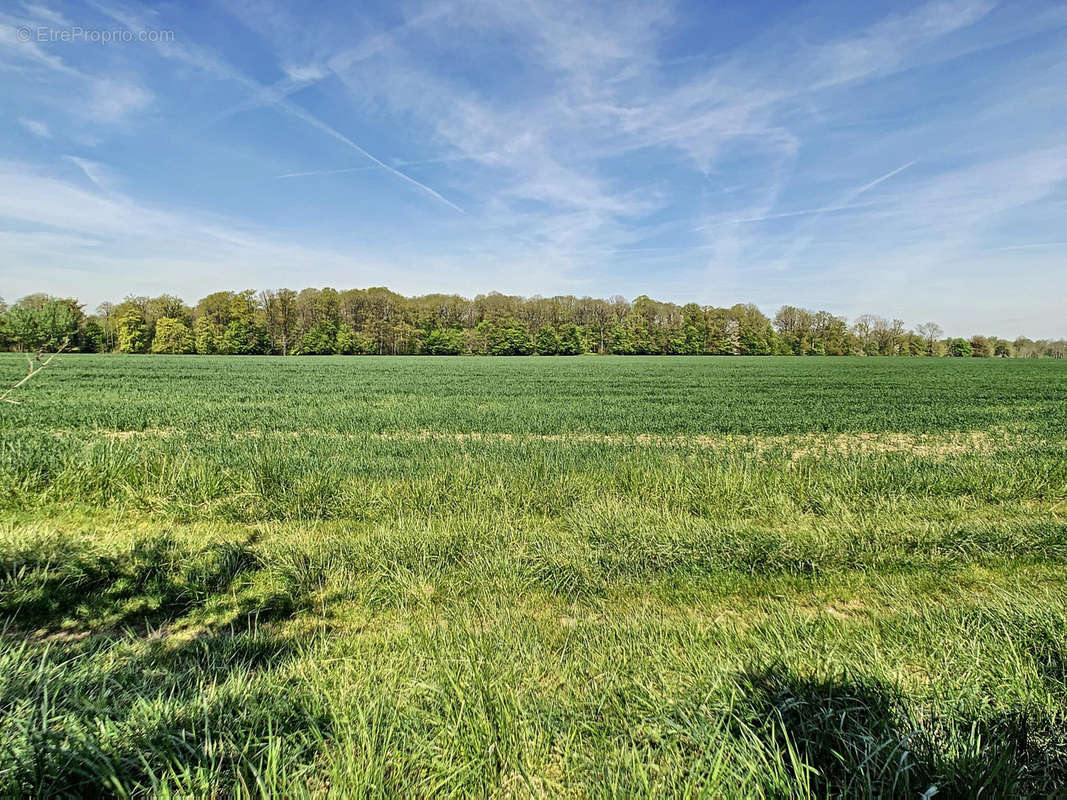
418 163
325 172
270 95
319 125
804 212
877 181
1026 246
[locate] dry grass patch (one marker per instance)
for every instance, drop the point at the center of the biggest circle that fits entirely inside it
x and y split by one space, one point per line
796 446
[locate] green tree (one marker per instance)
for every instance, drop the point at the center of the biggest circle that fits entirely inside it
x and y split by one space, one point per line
547 342
930 332
41 321
572 341
92 337
22 328
960 348
320 340
346 342
621 339
242 338
216 307
326 320
509 338
167 305
243 306
207 335
132 332
173 336
279 317
442 342
981 347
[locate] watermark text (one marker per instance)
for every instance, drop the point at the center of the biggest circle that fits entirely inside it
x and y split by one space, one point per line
77 34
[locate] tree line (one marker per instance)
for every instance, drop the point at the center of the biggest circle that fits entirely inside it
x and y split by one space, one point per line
377 321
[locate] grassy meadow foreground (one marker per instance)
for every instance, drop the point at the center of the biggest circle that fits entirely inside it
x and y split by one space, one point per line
604 576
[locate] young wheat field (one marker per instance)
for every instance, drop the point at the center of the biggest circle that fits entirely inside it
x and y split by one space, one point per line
611 576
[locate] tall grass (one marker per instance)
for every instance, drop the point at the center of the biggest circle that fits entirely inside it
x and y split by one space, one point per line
352 578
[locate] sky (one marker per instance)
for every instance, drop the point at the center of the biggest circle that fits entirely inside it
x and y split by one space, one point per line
905 159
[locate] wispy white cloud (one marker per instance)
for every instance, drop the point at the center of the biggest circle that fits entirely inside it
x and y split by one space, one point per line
36 127
919 251
583 152
887 45
218 67
804 235
952 205
549 150
533 151
61 234
304 74
98 174
114 100
95 96
15 52
39 12
1030 246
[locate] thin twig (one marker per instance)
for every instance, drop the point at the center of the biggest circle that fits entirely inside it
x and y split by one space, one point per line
31 373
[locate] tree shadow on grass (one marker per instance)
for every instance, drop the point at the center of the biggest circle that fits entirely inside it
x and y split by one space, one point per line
861 738
118 674
197 714
62 586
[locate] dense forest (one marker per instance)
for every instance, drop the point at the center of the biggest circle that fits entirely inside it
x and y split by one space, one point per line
377 321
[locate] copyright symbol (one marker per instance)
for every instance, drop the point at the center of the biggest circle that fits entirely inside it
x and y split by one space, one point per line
23 34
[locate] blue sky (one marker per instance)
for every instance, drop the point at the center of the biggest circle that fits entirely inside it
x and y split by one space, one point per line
903 159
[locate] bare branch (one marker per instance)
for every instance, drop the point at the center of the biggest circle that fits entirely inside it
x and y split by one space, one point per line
33 371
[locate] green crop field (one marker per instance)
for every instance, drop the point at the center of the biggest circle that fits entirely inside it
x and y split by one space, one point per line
610 576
